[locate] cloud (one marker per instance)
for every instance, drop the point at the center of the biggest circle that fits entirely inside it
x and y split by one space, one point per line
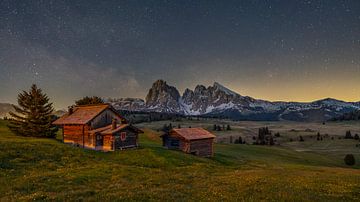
64 79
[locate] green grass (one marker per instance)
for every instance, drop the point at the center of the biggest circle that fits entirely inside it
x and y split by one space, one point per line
45 169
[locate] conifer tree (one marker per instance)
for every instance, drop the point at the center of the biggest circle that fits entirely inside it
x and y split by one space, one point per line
33 115
228 127
214 127
89 100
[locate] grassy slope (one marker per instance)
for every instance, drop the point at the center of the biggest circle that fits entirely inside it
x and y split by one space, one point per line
47 169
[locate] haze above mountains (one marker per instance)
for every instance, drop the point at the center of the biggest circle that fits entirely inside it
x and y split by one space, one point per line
221 102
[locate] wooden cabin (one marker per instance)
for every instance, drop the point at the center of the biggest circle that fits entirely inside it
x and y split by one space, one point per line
197 141
98 127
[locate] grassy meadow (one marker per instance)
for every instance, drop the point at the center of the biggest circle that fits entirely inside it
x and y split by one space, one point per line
46 169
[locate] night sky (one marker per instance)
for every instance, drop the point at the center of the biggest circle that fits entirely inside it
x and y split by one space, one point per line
275 50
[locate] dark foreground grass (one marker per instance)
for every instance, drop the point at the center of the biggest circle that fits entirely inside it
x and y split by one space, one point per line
45 169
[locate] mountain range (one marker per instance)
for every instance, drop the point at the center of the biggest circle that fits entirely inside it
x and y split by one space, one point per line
219 101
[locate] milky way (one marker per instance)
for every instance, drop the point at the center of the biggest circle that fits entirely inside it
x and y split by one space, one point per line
276 50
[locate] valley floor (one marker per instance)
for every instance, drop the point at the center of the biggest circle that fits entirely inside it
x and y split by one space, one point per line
44 169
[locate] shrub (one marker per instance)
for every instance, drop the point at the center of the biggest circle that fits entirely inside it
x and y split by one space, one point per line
356 136
277 134
349 159
301 139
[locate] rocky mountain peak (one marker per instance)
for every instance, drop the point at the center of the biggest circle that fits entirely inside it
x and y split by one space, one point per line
199 89
163 97
220 87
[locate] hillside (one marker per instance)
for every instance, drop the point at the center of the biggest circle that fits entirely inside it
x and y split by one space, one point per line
40 169
350 116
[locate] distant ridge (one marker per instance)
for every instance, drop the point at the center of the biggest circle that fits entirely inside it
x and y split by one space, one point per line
5 108
219 101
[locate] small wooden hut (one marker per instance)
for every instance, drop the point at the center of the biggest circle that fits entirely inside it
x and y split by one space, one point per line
98 127
197 141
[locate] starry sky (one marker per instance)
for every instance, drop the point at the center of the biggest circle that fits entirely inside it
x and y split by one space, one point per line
274 50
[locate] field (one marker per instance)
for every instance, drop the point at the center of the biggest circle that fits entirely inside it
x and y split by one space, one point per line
45 169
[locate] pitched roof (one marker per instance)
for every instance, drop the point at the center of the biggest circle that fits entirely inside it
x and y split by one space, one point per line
193 133
83 114
108 129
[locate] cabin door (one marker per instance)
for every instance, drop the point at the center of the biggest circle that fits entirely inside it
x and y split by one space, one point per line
99 140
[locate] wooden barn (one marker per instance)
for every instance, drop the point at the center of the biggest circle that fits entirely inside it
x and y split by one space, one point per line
98 127
197 141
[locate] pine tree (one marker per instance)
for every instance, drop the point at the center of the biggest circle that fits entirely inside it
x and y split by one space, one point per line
228 127
165 128
33 115
214 127
89 100
348 135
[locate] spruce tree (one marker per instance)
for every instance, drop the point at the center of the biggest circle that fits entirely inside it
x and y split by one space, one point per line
89 100
228 127
215 127
33 115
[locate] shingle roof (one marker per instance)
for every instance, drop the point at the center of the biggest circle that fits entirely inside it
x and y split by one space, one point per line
108 129
83 114
193 133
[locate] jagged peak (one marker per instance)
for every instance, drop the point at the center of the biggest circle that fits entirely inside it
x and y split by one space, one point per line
224 89
187 90
200 88
159 82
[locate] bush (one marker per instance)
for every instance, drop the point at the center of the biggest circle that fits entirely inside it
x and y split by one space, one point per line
356 136
301 139
277 134
349 160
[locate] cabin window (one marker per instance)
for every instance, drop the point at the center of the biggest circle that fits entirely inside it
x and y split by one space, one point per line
123 136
